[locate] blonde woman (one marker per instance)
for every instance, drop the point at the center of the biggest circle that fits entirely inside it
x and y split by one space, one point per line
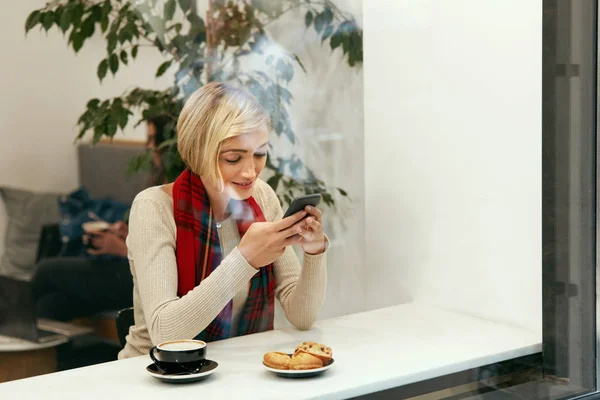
210 253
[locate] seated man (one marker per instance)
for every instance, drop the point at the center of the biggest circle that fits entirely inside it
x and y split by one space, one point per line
66 288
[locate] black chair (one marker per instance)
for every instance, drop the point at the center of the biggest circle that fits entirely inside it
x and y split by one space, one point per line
50 244
124 321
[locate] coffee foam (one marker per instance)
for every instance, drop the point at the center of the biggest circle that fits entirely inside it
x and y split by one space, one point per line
182 345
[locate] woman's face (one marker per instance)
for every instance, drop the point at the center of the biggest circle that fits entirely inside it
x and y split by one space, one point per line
241 161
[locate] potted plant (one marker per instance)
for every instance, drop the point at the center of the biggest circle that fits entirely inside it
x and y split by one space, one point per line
201 50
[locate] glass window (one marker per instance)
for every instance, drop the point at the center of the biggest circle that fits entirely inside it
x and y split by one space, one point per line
456 159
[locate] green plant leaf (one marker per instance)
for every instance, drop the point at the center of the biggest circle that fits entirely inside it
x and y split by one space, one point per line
106 8
327 16
319 22
104 24
98 133
102 68
76 14
114 63
58 12
87 27
290 135
77 41
170 7
286 70
134 51
111 40
346 43
197 23
343 192
65 19
123 56
299 62
93 103
111 126
163 68
159 44
284 94
123 35
122 118
97 13
308 19
185 5
32 20
274 181
346 27
327 33
176 26
47 19
336 40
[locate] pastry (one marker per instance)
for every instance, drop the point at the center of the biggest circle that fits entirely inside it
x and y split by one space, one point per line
318 350
303 360
277 360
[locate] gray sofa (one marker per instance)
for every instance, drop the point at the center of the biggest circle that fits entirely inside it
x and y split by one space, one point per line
101 169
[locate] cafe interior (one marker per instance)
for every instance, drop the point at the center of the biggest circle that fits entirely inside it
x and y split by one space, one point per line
453 148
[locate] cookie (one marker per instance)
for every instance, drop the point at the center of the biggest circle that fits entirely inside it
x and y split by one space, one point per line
318 350
303 360
277 360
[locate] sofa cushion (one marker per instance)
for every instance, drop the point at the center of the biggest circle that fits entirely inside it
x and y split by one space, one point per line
26 213
102 171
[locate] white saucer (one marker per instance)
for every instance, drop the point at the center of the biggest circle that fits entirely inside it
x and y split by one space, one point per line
207 369
306 373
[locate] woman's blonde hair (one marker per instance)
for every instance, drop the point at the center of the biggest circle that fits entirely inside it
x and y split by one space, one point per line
214 113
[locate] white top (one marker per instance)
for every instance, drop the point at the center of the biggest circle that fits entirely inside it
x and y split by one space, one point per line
373 351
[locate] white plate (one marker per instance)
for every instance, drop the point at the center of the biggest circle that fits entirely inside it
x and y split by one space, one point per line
304 373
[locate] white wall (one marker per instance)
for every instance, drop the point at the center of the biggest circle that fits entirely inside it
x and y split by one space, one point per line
45 87
453 155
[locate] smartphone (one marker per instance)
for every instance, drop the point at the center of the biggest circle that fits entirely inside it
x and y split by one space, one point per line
300 203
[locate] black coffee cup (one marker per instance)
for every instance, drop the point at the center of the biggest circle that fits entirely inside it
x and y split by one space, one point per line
179 355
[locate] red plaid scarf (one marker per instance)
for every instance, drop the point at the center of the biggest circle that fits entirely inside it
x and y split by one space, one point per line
199 253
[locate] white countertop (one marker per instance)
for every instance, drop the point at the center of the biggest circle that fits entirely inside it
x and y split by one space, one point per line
67 330
373 351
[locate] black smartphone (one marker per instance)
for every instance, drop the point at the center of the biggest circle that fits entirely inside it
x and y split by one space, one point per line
300 203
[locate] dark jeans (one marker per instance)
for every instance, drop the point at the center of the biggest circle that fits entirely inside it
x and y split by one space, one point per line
73 287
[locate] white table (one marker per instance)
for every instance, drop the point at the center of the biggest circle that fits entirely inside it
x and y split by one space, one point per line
373 351
21 358
11 344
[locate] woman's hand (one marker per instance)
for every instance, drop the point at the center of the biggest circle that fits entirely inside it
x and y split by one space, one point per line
313 238
120 229
105 243
265 242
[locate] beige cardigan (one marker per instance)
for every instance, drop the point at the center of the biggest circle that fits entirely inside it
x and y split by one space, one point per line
160 315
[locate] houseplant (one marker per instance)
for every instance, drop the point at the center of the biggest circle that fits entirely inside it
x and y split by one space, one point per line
201 51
